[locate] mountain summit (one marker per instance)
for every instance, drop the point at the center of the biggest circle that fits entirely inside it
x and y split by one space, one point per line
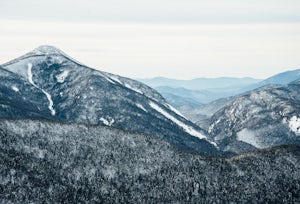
48 84
47 49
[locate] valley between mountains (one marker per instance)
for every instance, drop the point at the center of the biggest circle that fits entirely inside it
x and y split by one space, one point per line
73 134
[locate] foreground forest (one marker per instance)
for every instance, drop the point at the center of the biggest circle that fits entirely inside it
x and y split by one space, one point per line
46 162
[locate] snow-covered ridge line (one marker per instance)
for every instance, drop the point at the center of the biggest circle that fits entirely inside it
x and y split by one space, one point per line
185 127
50 50
116 79
126 85
132 88
175 110
141 107
29 71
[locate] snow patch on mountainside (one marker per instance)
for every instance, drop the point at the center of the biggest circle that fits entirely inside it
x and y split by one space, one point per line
141 107
106 77
116 79
185 127
29 71
212 126
107 122
30 79
175 110
132 88
50 102
249 137
294 125
16 89
61 77
126 85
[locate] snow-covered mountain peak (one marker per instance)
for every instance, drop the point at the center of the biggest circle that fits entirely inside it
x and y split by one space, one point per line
71 92
47 49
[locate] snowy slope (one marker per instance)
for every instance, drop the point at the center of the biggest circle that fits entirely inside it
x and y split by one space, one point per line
262 118
72 92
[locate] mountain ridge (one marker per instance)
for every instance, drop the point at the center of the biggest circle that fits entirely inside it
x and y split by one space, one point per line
264 117
76 93
205 92
208 83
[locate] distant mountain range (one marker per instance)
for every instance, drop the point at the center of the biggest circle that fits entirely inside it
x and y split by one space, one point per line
281 78
48 84
205 90
201 83
199 90
203 112
257 114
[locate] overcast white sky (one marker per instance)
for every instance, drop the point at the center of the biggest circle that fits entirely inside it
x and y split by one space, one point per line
171 38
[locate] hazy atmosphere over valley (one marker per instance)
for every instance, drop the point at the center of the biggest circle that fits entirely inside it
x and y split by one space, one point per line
150 101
